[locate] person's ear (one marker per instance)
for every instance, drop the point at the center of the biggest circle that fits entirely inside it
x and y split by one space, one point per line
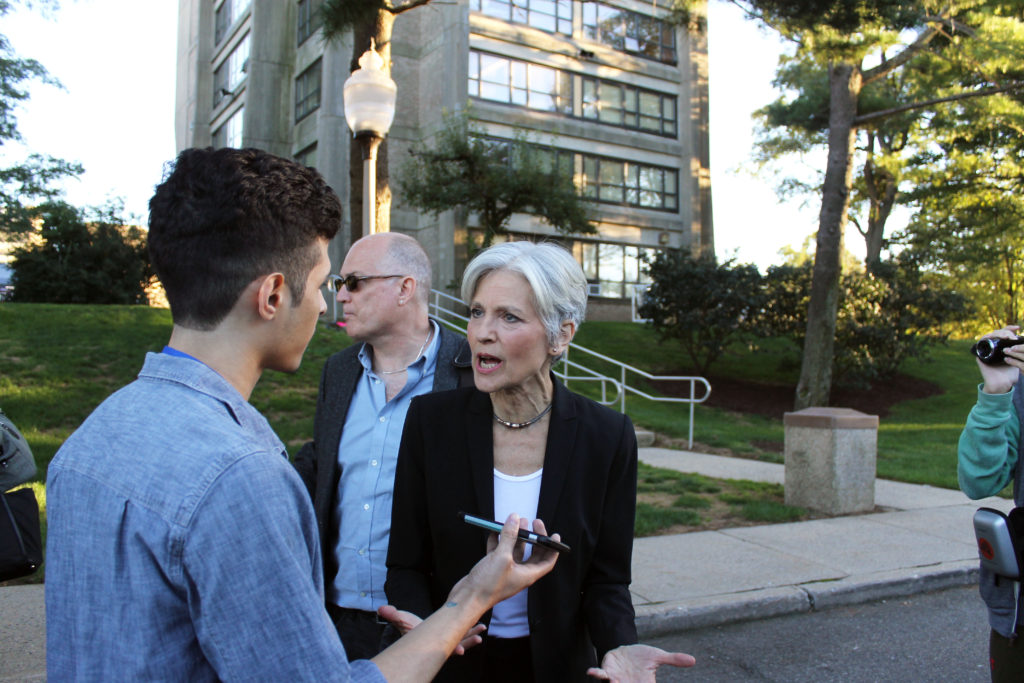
270 295
407 289
566 332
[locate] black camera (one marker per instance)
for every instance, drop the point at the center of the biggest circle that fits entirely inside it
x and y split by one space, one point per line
990 350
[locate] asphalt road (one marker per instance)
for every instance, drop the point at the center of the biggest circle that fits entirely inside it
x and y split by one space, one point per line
940 636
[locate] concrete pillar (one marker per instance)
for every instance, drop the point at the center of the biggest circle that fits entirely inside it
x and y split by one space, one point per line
270 100
194 84
334 137
830 460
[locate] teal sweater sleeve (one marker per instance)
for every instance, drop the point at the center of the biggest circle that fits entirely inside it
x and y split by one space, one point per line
987 452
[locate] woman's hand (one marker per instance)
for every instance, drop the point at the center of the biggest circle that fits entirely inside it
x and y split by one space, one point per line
999 379
407 621
637 663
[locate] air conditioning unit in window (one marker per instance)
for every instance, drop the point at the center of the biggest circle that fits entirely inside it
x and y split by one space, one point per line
594 289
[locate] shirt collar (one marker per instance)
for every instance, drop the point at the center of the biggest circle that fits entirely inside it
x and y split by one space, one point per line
425 359
205 380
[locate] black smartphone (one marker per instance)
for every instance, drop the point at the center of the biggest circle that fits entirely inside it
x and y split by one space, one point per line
524 535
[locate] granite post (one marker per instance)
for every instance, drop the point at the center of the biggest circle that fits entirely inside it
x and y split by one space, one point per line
830 456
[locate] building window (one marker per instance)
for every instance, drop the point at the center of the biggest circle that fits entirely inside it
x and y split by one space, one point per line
525 84
307 156
231 72
613 269
615 181
230 132
225 17
520 83
631 32
619 104
308 20
549 159
553 16
307 91
606 180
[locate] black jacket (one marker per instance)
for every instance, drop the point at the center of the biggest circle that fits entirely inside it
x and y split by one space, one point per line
317 460
588 495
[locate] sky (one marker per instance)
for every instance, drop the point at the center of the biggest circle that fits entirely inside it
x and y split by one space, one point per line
115 115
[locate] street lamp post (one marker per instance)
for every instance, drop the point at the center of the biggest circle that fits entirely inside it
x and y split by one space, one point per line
369 101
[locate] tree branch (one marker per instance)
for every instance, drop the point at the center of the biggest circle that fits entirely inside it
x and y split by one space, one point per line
873 116
888 66
398 8
953 24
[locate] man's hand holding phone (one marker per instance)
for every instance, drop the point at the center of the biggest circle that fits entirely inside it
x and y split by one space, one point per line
502 572
499 575
534 537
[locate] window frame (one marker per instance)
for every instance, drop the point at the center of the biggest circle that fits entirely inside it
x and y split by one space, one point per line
530 13
231 132
233 70
307 20
623 29
517 88
631 117
630 258
308 99
608 180
225 16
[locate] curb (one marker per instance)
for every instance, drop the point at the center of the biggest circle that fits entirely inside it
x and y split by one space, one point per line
652 620
685 615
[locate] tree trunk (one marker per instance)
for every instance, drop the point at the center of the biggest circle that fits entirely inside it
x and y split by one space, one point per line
380 31
816 369
881 188
877 218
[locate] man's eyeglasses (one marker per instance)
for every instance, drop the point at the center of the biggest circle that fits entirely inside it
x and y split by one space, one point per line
351 282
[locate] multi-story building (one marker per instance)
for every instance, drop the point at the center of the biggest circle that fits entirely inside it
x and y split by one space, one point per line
617 89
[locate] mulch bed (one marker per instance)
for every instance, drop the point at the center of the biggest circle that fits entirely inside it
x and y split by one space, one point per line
773 400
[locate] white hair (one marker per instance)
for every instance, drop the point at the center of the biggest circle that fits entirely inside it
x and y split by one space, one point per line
558 287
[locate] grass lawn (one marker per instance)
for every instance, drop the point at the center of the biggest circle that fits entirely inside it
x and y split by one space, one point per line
57 363
916 442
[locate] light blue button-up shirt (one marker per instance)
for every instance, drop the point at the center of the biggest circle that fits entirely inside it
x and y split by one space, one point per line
367 455
182 545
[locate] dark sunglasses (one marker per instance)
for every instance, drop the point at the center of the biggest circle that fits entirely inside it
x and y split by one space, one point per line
351 282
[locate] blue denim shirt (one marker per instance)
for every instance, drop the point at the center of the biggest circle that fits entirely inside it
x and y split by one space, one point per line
367 455
181 543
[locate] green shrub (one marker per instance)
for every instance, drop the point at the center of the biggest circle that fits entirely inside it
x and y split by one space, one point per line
702 304
886 315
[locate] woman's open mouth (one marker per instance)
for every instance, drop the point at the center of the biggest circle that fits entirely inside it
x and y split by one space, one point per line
486 363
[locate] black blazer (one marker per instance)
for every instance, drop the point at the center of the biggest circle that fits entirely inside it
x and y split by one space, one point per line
317 460
587 494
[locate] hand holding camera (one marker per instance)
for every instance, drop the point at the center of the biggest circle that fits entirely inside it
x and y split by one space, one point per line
999 364
990 350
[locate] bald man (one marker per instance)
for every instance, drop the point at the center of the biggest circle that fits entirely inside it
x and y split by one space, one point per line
365 391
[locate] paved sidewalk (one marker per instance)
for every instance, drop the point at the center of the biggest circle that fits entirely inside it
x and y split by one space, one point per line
22 634
923 541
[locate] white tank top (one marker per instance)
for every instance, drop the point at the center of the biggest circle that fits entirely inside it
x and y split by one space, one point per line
518 494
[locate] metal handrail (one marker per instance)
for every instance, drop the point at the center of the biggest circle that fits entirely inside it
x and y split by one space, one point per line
448 316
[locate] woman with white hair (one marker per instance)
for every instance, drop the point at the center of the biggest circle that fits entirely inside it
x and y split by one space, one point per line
520 442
